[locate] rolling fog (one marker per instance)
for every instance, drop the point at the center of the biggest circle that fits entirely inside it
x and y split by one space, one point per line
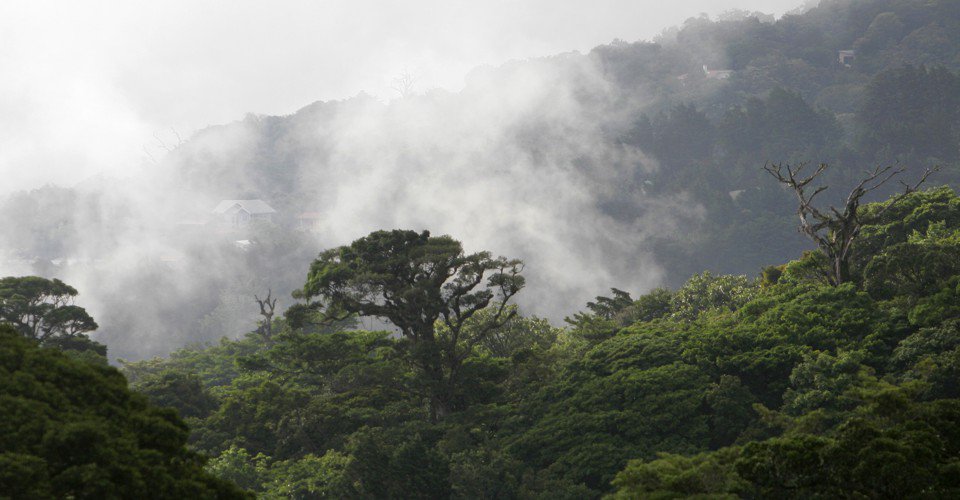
524 158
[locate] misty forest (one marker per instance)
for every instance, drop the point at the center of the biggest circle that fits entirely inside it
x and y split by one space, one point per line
721 263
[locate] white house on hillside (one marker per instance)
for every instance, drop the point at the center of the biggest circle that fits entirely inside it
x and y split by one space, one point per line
239 213
717 74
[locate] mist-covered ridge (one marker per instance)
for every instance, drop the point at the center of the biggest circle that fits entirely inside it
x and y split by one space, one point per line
634 165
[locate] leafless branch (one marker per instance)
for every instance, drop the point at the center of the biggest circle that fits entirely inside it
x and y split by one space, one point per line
404 84
835 231
267 306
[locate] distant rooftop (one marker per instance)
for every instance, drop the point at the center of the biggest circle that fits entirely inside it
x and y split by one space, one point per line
251 206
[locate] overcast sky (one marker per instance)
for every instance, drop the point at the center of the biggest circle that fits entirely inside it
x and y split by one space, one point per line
85 86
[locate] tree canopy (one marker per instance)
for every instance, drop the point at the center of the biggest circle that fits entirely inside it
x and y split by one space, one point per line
42 309
726 387
70 429
416 282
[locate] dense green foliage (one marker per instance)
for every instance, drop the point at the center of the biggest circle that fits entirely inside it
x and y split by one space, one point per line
417 282
71 429
43 310
719 385
727 386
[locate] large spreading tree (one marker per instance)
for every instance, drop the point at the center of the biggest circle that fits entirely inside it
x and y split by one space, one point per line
43 309
428 287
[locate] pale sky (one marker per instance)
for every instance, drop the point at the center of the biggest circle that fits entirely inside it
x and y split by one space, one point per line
86 85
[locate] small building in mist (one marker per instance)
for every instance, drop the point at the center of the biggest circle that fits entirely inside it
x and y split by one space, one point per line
846 57
308 221
240 213
717 74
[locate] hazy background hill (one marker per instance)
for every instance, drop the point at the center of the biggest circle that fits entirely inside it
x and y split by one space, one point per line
634 165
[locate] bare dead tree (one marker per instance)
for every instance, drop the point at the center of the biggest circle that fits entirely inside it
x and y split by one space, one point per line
150 155
404 84
267 307
164 145
160 143
834 230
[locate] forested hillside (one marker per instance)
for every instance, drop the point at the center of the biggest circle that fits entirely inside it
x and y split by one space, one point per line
319 352
779 386
787 98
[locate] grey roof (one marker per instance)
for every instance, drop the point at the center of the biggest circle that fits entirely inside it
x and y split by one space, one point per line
251 206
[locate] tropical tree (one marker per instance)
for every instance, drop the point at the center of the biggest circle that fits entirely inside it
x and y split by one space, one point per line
417 281
43 309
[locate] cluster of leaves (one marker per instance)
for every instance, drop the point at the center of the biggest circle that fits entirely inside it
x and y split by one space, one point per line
341 413
43 310
72 429
853 391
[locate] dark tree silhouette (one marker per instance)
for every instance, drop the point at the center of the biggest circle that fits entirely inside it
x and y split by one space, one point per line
267 307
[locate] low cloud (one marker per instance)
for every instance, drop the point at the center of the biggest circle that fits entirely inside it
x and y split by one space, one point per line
525 160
